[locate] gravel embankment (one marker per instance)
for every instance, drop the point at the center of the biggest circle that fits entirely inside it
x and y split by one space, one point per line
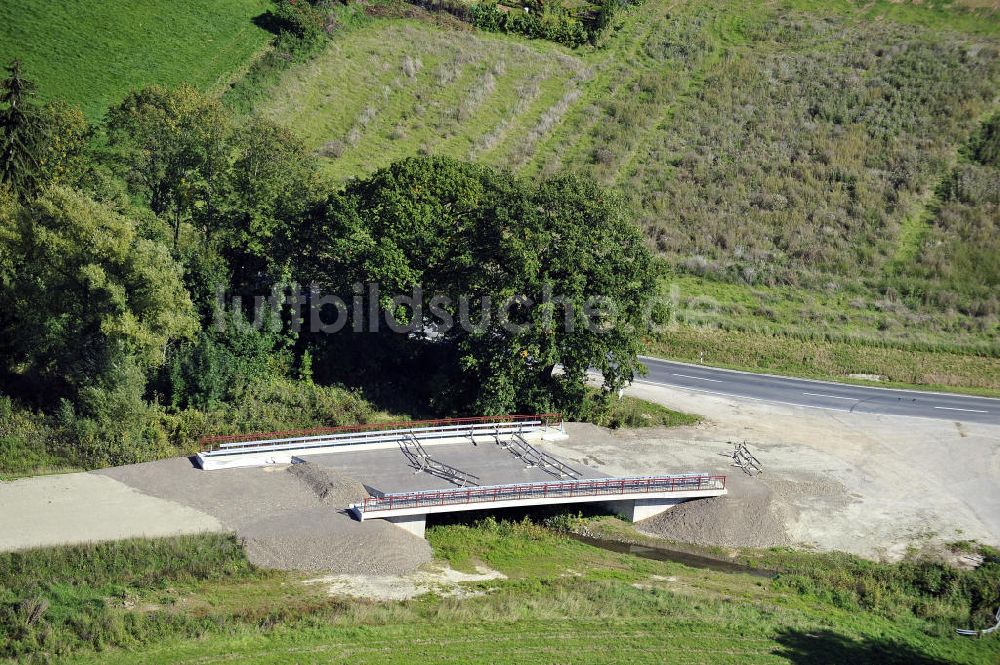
291 518
743 518
326 537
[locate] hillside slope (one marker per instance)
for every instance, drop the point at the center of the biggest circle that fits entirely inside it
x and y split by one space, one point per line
92 53
787 158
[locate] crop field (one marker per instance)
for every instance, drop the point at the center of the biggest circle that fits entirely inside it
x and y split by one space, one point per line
91 53
792 155
389 90
801 166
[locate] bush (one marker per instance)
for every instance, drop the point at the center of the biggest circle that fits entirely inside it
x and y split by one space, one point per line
630 412
540 21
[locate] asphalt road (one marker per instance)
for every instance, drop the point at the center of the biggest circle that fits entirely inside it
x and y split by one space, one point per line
821 394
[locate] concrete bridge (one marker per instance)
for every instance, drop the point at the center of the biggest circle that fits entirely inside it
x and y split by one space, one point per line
480 463
262 449
634 498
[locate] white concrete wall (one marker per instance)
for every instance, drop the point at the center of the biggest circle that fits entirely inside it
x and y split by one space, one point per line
219 460
415 524
640 509
664 499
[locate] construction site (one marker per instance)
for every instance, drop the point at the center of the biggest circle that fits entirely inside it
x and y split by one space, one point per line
411 470
352 500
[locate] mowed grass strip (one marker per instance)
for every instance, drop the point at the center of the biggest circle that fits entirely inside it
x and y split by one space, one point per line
553 640
92 53
835 360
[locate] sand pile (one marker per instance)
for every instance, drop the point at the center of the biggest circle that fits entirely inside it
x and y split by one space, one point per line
328 539
326 536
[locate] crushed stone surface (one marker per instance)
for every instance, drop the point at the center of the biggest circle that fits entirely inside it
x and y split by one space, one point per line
444 581
868 484
290 517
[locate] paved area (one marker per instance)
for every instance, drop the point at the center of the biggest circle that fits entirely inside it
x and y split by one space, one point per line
82 507
821 394
388 470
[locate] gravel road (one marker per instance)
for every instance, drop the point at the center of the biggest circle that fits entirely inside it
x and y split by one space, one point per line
871 485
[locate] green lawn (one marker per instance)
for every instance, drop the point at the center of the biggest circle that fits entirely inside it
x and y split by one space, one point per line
91 52
195 599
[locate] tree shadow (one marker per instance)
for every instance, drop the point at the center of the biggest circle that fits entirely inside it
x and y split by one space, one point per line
829 648
269 21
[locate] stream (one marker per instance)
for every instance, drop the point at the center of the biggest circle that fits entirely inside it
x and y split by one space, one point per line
676 556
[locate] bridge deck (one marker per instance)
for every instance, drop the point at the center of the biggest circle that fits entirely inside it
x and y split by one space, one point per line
681 486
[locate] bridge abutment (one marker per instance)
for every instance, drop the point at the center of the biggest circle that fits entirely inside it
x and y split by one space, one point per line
415 524
635 510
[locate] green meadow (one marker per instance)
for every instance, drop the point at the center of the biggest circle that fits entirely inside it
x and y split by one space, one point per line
93 53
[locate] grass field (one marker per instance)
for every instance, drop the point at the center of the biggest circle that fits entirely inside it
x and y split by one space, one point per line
784 157
91 53
794 161
196 599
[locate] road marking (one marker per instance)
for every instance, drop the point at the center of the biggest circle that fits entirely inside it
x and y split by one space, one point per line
775 401
853 399
951 408
699 378
863 386
755 399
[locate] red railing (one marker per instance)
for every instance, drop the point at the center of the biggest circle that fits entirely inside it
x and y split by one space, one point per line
206 442
546 490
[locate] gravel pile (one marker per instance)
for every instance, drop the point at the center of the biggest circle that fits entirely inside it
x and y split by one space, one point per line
330 486
327 539
743 518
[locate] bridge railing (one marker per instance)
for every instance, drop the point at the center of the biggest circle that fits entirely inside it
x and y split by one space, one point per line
542 490
476 424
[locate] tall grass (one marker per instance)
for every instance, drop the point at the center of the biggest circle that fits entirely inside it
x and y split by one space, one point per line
564 601
785 148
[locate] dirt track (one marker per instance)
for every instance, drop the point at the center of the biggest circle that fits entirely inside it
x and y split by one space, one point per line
866 484
73 507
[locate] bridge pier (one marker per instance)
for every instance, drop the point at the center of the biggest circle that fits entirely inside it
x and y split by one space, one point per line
635 510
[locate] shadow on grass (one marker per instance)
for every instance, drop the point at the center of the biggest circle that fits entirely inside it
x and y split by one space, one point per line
269 21
828 648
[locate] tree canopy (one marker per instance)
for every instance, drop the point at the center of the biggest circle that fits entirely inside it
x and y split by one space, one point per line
116 247
548 259
88 290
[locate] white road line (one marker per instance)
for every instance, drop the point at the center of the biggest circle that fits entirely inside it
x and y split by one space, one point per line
852 399
774 401
951 408
699 378
755 399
